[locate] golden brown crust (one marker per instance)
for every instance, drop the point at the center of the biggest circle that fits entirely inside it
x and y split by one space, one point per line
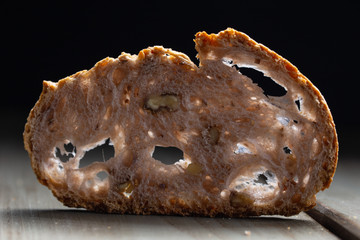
209 115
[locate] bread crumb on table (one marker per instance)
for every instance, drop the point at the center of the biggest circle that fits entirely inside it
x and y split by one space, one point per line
247 233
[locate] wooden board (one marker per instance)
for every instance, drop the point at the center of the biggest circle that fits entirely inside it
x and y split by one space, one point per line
29 211
344 193
339 208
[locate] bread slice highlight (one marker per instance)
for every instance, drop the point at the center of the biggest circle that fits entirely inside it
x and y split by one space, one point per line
245 153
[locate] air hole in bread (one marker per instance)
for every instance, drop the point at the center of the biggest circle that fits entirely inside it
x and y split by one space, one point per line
63 157
228 62
242 182
102 175
287 150
268 85
66 152
262 179
60 167
283 120
101 153
259 185
95 185
126 101
296 179
242 149
298 104
167 155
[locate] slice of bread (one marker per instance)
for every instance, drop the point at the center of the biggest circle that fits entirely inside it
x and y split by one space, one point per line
245 153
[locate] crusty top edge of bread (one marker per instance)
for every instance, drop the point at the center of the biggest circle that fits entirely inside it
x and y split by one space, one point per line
232 38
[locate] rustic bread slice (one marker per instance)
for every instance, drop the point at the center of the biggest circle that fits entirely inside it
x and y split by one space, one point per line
245 153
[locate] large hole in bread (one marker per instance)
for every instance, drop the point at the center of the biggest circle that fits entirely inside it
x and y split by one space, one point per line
167 155
101 153
268 85
260 185
66 153
261 178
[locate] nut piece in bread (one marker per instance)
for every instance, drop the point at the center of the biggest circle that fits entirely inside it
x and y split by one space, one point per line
245 153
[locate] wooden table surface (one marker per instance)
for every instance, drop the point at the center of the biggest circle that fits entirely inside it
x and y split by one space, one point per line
29 211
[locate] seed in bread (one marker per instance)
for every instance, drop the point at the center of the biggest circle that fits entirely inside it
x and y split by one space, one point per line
246 153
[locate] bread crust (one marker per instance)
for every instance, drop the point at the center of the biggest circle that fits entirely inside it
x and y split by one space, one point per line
109 101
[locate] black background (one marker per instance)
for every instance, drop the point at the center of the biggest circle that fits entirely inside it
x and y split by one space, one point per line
53 40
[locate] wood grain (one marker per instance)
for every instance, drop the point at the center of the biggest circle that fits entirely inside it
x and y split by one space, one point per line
29 211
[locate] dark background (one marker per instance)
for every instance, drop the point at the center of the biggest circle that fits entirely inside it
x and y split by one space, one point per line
53 40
